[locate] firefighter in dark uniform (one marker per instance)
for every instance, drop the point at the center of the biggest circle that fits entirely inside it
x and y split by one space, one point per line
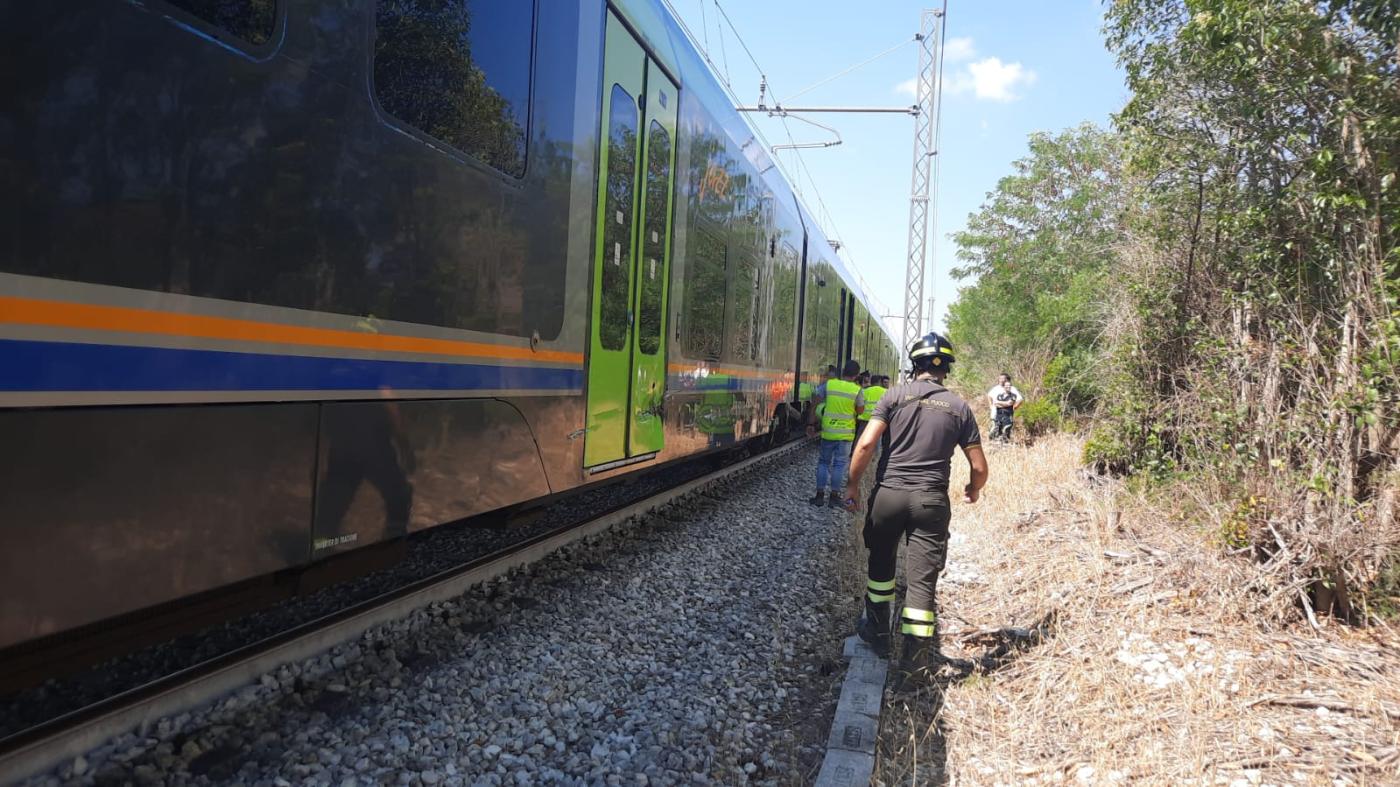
926 423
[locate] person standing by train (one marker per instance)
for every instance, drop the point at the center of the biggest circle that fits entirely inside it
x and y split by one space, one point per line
862 380
814 400
840 403
909 503
871 391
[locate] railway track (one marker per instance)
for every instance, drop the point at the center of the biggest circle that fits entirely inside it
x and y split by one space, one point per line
43 747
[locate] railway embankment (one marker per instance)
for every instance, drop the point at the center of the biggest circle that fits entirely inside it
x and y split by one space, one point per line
700 645
1114 645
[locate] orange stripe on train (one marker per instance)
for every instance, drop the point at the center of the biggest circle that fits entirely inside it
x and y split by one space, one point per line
732 371
118 318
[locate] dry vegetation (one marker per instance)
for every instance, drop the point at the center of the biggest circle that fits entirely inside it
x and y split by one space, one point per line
1155 666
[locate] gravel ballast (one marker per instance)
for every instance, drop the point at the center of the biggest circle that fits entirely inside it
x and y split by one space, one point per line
696 646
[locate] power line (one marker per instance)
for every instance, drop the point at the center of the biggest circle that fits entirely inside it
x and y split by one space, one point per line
793 177
801 160
704 27
738 37
722 50
840 74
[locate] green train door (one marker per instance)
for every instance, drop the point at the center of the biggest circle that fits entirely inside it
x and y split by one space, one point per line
632 258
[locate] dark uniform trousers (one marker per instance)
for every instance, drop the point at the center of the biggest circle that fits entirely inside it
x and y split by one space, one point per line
920 519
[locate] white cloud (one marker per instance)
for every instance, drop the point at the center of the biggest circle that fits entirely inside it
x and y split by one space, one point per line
957 50
990 79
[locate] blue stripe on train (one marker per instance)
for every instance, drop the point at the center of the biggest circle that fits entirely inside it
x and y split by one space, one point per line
61 366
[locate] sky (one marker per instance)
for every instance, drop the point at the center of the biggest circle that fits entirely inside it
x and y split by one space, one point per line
1011 68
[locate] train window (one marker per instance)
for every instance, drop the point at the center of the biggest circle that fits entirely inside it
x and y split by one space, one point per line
652 277
617 220
744 337
706 273
458 71
785 304
251 20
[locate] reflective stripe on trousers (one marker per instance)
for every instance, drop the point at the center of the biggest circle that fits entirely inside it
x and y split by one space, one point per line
917 622
919 519
879 591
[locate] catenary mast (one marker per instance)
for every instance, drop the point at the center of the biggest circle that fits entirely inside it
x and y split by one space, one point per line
925 170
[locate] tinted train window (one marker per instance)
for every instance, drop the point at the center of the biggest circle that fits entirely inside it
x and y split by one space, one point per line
785 304
705 271
652 278
459 71
251 20
617 220
744 335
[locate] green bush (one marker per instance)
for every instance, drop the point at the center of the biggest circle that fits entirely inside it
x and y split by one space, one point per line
1040 417
1073 379
1384 596
1104 452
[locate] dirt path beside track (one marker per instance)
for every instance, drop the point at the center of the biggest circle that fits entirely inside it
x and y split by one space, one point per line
1116 646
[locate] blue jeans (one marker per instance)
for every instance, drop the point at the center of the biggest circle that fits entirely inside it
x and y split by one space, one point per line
835 454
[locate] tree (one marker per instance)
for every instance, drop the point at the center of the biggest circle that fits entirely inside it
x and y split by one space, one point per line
1259 321
1040 253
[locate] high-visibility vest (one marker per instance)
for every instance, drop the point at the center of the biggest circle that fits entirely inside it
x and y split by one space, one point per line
869 396
839 418
804 391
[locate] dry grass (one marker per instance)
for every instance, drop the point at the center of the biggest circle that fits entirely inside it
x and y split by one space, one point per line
1156 669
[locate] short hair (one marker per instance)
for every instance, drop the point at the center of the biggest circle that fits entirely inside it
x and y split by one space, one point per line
851 369
1007 376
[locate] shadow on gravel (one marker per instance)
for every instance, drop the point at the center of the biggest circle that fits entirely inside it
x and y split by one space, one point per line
914 745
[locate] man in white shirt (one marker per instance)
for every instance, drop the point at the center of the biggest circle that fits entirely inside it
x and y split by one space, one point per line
1004 400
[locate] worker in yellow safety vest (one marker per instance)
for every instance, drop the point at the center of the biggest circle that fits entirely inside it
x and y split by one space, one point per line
869 395
839 400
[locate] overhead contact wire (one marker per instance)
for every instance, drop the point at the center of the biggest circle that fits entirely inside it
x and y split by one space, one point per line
793 177
840 74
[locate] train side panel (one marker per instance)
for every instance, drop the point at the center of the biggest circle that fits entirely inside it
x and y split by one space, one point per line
191 220
268 293
110 510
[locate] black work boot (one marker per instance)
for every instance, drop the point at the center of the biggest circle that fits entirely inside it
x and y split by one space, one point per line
818 498
874 627
835 501
918 660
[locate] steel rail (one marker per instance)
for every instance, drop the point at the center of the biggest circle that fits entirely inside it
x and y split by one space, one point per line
44 747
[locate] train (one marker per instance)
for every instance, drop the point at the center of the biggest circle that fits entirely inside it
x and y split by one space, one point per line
282 280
